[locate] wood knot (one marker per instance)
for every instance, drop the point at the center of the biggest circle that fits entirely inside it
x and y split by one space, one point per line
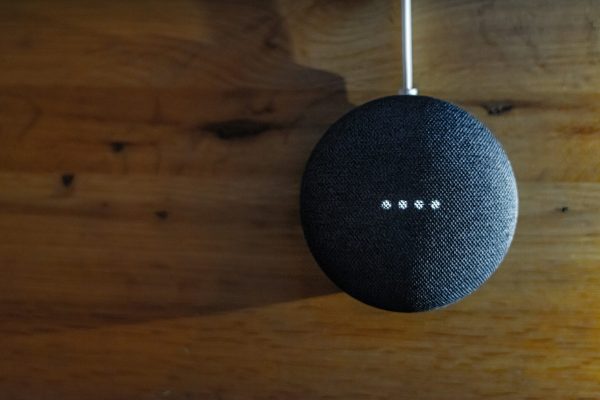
117 147
67 180
162 214
239 128
497 107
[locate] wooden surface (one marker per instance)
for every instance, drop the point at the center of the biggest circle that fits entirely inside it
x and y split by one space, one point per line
150 159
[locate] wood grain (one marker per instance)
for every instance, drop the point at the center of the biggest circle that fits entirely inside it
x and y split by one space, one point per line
151 153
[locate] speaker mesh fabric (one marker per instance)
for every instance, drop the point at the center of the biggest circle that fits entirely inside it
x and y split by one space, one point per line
408 203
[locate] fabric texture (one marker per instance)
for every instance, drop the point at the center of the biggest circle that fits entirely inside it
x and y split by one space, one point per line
408 203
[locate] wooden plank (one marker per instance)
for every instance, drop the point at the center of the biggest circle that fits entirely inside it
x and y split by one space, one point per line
151 154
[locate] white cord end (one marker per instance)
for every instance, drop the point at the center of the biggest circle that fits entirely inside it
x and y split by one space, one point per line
409 92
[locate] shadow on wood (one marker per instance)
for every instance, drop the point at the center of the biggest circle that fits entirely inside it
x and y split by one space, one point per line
155 182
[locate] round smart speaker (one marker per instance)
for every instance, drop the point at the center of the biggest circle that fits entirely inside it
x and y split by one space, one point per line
408 203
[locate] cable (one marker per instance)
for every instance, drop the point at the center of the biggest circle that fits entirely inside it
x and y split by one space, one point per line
407 59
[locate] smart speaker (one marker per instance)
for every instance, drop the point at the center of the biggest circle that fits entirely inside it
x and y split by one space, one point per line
408 203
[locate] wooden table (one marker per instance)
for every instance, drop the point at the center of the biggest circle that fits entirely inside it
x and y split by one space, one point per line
150 159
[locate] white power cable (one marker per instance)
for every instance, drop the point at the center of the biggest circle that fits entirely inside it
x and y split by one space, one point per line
407 59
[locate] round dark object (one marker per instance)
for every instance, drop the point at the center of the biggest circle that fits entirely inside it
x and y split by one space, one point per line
408 203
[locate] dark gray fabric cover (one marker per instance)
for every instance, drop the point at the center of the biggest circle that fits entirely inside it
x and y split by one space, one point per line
359 192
